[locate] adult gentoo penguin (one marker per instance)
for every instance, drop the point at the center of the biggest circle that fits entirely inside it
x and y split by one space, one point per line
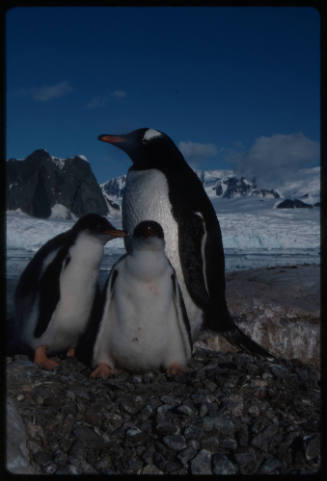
144 324
55 292
162 187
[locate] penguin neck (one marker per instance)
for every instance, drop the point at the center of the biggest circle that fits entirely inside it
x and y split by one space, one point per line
165 161
88 248
151 244
148 262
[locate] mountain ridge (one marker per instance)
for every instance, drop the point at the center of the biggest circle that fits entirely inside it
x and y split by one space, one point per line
46 186
226 185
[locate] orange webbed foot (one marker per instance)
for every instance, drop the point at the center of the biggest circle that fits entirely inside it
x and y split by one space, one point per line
175 368
42 360
71 352
102 370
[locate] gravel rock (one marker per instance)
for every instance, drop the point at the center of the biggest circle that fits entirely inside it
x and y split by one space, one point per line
176 442
186 454
312 447
210 444
262 440
201 463
150 469
229 414
18 461
222 465
269 466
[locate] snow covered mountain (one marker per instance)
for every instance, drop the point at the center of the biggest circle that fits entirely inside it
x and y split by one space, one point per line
44 186
251 226
112 191
225 184
245 211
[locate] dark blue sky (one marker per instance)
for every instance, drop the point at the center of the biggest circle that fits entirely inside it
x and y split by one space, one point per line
226 83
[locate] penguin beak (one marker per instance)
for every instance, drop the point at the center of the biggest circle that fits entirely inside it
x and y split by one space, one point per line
112 139
116 233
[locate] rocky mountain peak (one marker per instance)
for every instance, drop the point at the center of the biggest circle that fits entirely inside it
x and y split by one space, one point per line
38 155
38 184
216 183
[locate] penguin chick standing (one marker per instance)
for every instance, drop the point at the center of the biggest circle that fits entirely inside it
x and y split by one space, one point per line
55 292
144 323
162 187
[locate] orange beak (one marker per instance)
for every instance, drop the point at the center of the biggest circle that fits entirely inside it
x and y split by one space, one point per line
112 139
116 233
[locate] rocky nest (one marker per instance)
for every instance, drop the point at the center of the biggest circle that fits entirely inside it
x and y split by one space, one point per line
229 414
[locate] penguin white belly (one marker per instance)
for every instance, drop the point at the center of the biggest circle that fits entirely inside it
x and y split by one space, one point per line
146 197
77 285
144 331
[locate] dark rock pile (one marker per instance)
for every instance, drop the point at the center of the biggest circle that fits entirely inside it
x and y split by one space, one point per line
229 414
292 204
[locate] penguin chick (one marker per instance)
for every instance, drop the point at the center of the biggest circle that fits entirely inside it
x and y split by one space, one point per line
144 324
55 292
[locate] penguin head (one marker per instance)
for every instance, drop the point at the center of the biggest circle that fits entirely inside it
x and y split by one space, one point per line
147 148
148 235
97 226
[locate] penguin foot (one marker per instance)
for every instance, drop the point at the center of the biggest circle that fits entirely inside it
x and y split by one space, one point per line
42 360
102 370
71 352
175 368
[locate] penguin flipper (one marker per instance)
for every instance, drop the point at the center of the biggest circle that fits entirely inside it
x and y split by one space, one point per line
193 257
238 339
36 267
49 295
183 320
31 280
99 352
86 342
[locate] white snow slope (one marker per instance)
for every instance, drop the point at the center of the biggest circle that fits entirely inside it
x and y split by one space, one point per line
245 224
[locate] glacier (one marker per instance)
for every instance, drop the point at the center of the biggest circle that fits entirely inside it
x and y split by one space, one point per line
245 224
254 223
255 233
